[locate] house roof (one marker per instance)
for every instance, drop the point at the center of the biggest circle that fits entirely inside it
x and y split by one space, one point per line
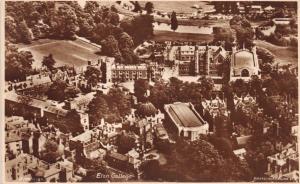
118 156
187 48
269 8
146 109
47 106
183 115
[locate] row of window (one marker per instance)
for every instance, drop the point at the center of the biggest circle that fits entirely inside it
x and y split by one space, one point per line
121 72
127 76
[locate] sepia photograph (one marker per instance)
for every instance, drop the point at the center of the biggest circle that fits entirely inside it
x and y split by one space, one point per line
150 91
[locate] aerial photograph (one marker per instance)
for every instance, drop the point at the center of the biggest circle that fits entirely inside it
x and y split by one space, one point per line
150 91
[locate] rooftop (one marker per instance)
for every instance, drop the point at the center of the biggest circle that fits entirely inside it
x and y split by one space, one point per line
244 58
184 115
47 106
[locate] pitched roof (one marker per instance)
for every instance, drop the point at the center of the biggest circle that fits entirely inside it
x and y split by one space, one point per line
183 115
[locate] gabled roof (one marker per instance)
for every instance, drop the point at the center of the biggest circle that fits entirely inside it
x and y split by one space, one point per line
183 115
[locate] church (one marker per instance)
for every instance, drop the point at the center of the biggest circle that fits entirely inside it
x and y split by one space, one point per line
244 64
211 61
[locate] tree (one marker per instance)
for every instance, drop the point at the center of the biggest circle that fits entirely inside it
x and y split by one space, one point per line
98 109
91 7
129 56
245 36
50 153
140 88
114 18
202 156
265 55
207 86
125 144
86 25
174 22
118 98
92 75
24 100
143 28
125 41
49 61
64 23
218 5
137 7
11 29
73 122
18 64
240 87
149 7
24 33
57 91
222 34
152 170
110 46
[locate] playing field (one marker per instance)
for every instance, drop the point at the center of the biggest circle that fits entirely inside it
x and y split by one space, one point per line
65 52
177 6
174 36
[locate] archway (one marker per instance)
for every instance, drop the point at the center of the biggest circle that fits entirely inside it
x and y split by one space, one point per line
245 73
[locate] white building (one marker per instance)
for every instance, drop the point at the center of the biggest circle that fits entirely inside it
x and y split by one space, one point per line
244 64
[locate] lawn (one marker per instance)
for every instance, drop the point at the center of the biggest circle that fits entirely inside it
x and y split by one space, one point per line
65 52
283 55
177 6
174 36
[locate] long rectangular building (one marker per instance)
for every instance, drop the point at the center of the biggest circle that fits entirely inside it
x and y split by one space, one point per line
187 121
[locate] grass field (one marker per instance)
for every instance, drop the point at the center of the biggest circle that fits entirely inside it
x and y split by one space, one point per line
283 55
177 6
65 52
174 36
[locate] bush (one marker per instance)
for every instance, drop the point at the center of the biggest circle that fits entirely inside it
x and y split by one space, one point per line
283 29
278 39
294 42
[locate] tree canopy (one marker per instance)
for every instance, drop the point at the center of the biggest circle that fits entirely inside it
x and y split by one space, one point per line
18 64
174 22
49 61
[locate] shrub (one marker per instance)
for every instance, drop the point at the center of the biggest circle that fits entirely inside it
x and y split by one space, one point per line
294 42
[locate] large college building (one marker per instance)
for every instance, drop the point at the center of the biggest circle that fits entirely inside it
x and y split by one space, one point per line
209 61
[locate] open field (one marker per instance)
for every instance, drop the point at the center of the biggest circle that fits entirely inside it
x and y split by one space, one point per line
177 6
174 36
283 55
65 52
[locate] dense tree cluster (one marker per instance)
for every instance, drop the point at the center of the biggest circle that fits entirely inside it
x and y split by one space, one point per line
223 35
65 20
111 107
176 90
92 75
203 163
139 27
18 64
244 32
280 34
60 91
